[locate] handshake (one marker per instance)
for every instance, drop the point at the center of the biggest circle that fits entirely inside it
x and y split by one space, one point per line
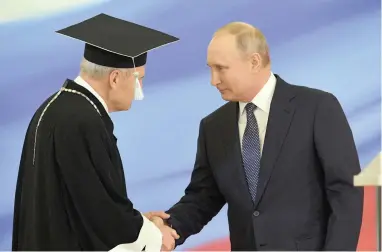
169 235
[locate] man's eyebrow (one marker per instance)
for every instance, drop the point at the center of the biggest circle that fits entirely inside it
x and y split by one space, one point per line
212 65
216 65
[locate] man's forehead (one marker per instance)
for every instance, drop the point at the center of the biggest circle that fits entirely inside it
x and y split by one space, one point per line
225 40
141 69
218 59
221 49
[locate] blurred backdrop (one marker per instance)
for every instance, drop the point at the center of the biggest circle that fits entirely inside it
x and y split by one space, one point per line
327 44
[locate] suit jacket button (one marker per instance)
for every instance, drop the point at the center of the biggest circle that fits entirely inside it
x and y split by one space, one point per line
256 213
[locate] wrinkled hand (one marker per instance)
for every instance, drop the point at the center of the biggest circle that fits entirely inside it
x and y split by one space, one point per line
168 239
169 234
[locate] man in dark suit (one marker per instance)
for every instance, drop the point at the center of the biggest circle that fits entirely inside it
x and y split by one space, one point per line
281 156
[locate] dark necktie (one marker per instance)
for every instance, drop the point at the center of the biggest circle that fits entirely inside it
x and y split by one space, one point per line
251 150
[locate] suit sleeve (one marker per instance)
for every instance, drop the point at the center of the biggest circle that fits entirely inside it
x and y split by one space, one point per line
338 155
202 199
104 216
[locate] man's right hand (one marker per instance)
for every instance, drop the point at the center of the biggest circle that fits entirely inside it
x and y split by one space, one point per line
169 234
168 240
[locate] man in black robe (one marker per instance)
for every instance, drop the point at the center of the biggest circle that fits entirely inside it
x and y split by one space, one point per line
71 192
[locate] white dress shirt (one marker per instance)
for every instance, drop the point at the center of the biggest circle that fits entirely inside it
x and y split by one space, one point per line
263 103
84 84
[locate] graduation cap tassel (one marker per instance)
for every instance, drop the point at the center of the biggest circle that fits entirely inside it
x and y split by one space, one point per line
138 92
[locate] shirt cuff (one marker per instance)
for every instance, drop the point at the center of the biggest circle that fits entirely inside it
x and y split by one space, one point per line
150 238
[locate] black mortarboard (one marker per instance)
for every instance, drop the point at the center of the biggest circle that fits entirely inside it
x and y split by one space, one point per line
114 42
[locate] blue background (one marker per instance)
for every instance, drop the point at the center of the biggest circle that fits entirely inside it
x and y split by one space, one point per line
327 44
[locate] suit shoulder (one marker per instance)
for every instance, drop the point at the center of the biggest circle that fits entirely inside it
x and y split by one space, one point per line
309 91
219 112
308 95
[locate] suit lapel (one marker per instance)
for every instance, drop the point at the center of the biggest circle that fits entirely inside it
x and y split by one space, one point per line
280 118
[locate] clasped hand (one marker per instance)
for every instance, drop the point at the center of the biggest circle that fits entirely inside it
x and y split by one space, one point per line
169 235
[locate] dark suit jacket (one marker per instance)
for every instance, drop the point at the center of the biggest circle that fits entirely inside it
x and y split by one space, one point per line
306 198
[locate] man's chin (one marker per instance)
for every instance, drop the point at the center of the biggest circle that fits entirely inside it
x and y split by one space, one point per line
123 108
226 97
127 108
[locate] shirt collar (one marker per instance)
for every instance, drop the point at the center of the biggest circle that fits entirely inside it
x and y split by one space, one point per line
84 84
263 99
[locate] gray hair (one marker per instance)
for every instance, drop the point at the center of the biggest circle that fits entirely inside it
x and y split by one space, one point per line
95 71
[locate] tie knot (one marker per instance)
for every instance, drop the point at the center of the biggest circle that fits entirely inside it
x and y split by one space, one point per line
250 107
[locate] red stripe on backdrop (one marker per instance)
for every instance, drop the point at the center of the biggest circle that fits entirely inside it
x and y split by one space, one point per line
368 237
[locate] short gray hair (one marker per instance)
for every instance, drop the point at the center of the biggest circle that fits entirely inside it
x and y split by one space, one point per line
95 71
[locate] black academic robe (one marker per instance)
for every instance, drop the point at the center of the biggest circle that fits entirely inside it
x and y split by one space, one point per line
71 192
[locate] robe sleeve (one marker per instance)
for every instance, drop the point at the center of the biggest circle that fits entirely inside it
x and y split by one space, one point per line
102 217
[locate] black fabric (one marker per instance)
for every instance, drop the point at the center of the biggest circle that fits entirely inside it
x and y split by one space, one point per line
105 58
119 40
74 196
